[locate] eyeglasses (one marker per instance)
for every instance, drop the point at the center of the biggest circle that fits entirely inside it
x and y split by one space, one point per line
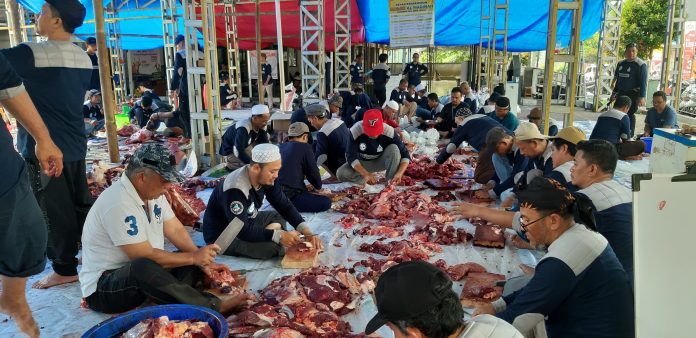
525 224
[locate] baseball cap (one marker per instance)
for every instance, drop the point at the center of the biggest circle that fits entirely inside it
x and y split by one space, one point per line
502 102
373 123
91 40
570 134
407 290
336 100
528 131
317 110
259 109
265 153
71 12
298 129
179 38
158 158
391 104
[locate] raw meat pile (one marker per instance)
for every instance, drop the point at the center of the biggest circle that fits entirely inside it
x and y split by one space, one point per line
443 196
481 288
100 178
308 303
470 196
140 136
424 167
402 248
458 271
127 130
379 230
162 327
442 184
185 204
199 185
225 281
434 232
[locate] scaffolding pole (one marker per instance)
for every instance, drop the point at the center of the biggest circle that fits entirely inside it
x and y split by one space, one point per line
483 55
192 25
211 77
27 26
13 22
233 65
572 58
498 59
312 50
608 53
117 70
281 65
342 43
672 56
169 33
107 93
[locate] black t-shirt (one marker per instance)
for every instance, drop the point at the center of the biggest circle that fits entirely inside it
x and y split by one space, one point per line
12 164
95 82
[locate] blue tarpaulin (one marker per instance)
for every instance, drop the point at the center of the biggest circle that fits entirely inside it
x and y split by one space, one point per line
457 23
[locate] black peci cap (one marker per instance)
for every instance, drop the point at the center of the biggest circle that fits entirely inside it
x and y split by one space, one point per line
407 290
71 12
545 194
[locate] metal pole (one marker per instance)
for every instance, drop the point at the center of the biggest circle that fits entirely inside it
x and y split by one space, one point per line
281 65
210 79
575 51
13 22
259 83
548 69
106 85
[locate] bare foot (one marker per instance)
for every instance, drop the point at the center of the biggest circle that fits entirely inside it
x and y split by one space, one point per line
54 279
235 304
25 323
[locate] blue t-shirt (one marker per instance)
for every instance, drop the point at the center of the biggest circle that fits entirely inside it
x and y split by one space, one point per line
473 130
510 121
612 126
666 119
267 72
57 75
298 163
12 164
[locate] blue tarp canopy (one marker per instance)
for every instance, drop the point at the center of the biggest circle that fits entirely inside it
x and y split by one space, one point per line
457 23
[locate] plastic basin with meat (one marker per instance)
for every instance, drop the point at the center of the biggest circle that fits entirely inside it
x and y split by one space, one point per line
115 326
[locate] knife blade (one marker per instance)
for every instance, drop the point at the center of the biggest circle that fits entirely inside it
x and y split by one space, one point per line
229 234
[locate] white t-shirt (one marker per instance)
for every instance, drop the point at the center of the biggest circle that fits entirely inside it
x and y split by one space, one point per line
118 218
487 326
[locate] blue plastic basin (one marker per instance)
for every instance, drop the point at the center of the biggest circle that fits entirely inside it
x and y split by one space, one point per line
120 324
648 143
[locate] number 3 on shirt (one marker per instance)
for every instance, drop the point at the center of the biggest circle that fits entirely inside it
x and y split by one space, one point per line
131 221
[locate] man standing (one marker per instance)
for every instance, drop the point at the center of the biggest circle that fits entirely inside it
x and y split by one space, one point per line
93 112
374 147
631 79
380 77
95 82
415 70
179 85
266 80
332 139
579 286
299 164
503 115
123 258
57 74
263 234
239 139
660 115
23 230
356 71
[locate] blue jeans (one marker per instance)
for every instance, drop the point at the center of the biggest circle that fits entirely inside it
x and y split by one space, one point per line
503 168
424 113
91 129
308 202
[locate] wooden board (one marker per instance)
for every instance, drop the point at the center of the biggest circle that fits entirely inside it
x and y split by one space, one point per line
296 259
478 283
438 184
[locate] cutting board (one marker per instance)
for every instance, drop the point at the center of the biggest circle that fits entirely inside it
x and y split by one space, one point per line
296 259
438 184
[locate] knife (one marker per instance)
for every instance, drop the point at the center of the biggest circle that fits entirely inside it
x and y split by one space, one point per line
229 234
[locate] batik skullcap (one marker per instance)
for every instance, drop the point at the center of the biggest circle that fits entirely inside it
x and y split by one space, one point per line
265 153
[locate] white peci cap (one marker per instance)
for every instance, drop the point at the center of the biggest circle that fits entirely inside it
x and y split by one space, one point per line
260 109
391 104
265 153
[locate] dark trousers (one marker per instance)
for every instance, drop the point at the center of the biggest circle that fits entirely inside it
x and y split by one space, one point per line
259 250
123 289
185 114
305 201
633 95
65 202
381 95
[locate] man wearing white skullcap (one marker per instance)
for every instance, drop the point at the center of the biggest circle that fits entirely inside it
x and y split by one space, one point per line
263 234
239 139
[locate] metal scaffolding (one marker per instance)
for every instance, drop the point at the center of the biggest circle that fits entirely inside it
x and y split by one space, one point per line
673 52
312 51
572 59
484 52
115 53
169 33
491 63
27 25
233 63
342 57
13 22
609 53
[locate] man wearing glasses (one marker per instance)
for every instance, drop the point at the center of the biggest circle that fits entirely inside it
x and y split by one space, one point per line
579 287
